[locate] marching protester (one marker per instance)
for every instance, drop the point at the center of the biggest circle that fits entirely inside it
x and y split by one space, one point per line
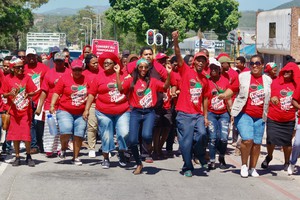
51 142
281 116
18 88
142 94
249 110
71 90
111 110
192 108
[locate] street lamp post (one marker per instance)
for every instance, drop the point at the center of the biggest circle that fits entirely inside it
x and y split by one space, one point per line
85 39
87 28
91 29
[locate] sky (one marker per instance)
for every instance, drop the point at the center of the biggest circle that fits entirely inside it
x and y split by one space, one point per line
244 4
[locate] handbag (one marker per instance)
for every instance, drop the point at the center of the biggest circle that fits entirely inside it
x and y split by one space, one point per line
6 119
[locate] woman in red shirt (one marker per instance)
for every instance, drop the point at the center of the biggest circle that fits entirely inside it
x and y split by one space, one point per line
51 143
17 88
142 94
72 91
112 108
218 116
281 115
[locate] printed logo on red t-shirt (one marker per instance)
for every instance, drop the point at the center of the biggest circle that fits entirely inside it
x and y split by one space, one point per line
146 100
20 100
257 94
115 95
36 78
216 103
286 99
79 94
195 91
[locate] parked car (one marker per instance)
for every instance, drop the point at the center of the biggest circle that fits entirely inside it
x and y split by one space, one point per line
74 54
4 53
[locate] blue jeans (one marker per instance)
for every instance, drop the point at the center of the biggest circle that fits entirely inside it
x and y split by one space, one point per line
250 128
218 133
296 147
107 125
192 138
140 117
70 124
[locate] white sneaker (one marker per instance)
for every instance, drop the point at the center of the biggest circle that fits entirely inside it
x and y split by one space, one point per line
291 169
253 173
244 171
92 154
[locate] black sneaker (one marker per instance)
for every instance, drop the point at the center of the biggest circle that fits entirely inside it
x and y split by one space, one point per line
29 161
265 163
16 162
105 164
122 159
286 166
222 162
212 166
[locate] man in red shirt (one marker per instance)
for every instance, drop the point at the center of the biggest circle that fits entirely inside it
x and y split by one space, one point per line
36 71
192 108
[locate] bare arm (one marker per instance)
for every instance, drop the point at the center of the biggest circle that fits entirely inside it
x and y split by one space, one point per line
226 95
88 104
175 36
205 106
167 82
53 101
296 104
41 103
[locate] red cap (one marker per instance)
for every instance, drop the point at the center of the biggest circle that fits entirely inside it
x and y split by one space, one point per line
77 64
199 54
161 56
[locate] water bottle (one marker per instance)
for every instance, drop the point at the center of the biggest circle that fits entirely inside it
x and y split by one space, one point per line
52 124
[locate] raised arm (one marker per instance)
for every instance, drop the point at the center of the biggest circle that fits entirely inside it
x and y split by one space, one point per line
175 36
167 82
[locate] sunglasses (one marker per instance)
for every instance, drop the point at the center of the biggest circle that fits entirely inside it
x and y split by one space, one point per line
108 63
255 63
143 67
21 56
19 67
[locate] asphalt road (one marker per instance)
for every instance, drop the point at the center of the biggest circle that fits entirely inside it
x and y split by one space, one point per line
160 180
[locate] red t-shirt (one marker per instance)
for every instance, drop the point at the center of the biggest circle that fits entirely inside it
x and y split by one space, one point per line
90 75
141 97
246 69
206 72
73 93
216 105
255 102
108 99
48 85
21 103
2 104
194 86
231 75
284 111
37 75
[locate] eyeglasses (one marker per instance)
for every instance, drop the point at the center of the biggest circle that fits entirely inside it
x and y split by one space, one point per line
86 52
21 56
255 63
108 63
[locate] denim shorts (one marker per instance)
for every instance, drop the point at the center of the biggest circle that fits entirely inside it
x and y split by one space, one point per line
70 124
250 128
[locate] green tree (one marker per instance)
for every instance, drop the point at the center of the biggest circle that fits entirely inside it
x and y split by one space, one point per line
168 15
16 19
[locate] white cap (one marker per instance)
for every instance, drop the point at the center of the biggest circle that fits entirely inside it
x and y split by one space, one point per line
214 61
30 51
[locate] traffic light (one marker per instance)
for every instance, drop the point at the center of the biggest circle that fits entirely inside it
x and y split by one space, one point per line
159 39
232 37
239 40
150 37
